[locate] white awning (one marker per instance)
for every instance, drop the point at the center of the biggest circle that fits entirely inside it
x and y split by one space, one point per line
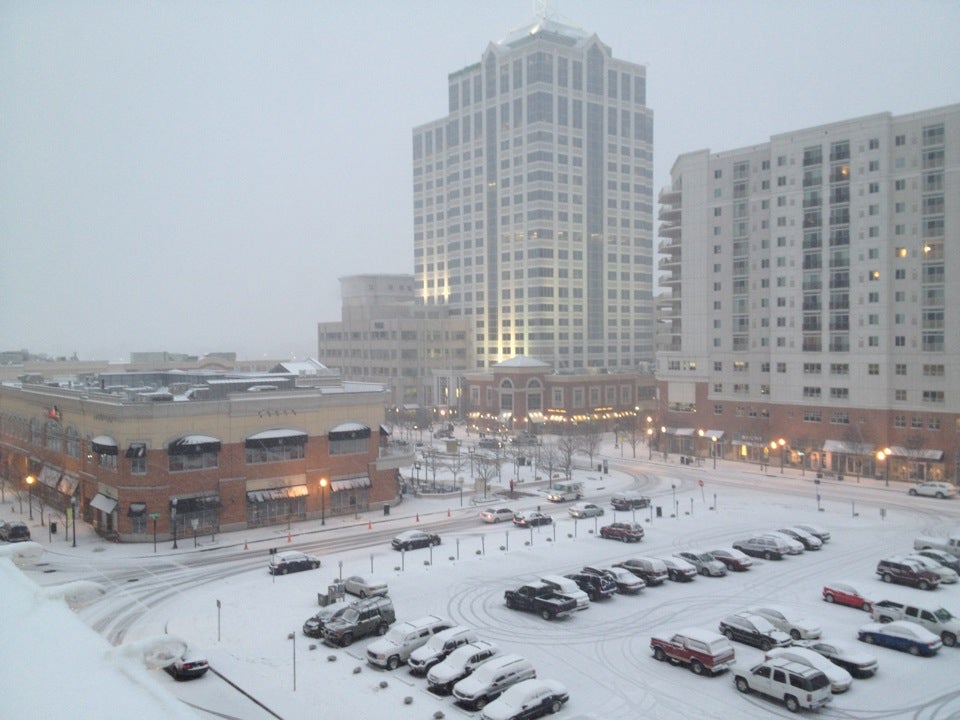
842 447
103 503
682 432
919 454
350 484
711 434
49 476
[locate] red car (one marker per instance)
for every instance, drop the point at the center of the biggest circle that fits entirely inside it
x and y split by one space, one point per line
625 532
846 594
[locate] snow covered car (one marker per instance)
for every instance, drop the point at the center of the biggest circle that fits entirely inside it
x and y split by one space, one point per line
901 635
703 651
532 698
753 630
704 562
733 559
840 679
939 490
188 666
627 583
679 570
364 587
844 593
798 627
947 576
817 531
809 541
585 510
495 515
855 661
624 532
413 539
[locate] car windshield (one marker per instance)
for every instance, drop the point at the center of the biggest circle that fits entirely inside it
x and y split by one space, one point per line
350 615
817 681
943 615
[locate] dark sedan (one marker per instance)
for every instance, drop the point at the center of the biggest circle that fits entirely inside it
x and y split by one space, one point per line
288 562
413 539
530 519
753 630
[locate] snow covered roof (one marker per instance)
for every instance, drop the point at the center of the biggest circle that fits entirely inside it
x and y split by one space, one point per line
522 361
549 29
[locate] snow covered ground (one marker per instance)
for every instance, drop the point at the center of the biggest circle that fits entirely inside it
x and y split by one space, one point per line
601 655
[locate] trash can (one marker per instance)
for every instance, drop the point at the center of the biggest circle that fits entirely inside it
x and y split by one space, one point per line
386 509
53 528
659 511
606 468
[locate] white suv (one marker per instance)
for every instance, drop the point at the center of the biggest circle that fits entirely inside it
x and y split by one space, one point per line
934 489
799 686
403 638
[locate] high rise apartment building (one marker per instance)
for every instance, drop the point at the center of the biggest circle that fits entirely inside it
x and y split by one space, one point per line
533 203
815 296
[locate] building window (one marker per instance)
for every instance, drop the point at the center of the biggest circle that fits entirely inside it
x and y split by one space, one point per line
275 446
811 416
900 395
839 417
873 369
899 421
933 396
193 452
137 455
349 439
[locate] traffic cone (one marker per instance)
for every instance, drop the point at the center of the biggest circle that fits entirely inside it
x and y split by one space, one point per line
448 512
369 524
418 517
245 545
289 538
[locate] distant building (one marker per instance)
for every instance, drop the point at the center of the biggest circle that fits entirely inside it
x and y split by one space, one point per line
814 308
533 203
198 451
418 353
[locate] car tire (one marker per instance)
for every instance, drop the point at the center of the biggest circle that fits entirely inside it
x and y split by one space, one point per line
795 634
481 703
914 650
435 541
865 607
949 639
347 640
883 619
283 571
704 572
869 639
659 654
697 667
793 705
382 629
742 684
545 614
555 707
511 604
829 598
314 565
766 645
362 594
912 491
887 578
393 662
728 633
923 585
768 555
939 496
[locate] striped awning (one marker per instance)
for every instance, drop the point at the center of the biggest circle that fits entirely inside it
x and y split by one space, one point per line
294 491
350 483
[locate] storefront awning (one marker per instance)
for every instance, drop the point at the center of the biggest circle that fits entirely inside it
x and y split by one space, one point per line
349 431
275 438
384 431
919 454
711 434
190 444
350 484
843 447
68 484
136 509
103 503
294 491
196 504
680 432
535 416
136 450
49 476
104 445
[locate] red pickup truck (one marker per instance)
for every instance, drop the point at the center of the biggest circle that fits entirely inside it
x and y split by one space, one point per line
701 650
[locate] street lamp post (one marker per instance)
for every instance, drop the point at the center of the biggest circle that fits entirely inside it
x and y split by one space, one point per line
293 638
649 443
30 481
884 457
323 507
73 507
173 520
713 450
782 443
696 450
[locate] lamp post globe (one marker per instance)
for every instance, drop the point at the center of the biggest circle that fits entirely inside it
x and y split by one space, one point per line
30 480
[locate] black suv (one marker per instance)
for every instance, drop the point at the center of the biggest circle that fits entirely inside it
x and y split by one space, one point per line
365 617
597 587
15 532
753 630
907 572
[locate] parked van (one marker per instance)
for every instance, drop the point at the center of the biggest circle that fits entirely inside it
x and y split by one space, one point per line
490 680
438 647
564 491
403 638
629 501
569 589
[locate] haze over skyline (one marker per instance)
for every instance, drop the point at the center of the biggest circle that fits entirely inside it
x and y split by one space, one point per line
196 177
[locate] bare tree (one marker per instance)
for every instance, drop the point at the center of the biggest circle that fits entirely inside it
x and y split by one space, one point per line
486 469
915 447
550 457
566 446
589 440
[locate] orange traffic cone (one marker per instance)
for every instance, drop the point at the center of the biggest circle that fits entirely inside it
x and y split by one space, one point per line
369 524
289 538
448 512
245 545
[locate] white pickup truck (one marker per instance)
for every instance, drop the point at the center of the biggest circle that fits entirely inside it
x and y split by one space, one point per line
949 544
936 620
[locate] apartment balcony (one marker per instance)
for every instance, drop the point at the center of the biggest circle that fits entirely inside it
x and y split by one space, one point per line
669 196
669 214
669 262
669 246
671 230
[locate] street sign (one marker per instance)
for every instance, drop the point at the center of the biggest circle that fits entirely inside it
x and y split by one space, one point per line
701 483
154 516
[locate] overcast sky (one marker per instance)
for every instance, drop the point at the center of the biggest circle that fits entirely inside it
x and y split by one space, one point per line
197 176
